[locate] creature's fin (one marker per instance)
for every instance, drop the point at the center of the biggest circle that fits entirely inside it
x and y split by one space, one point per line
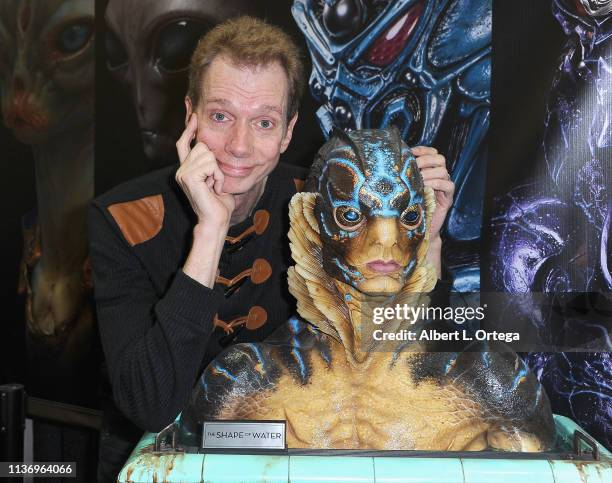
318 300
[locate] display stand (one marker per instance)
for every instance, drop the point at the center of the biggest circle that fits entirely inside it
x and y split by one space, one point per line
578 458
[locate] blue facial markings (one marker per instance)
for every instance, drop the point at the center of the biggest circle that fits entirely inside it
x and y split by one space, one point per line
415 65
341 163
363 177
379 188
348 273
383 185
408 270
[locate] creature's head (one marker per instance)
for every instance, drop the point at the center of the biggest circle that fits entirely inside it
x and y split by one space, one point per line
588 20
46 67
372 209
362 55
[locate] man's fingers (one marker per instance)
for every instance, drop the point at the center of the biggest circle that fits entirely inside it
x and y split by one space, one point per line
443 185
422 150
219 178
434 173
183 145
430 161
199 165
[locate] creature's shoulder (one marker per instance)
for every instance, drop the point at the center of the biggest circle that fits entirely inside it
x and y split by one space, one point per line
462 32
295 345
258 366
493 376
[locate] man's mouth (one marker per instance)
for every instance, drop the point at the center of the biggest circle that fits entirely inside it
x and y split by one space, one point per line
235 171
383 267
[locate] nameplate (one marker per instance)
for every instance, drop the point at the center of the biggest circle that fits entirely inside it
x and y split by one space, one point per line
244 434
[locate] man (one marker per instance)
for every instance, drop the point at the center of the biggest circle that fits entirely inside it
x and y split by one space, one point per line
168 256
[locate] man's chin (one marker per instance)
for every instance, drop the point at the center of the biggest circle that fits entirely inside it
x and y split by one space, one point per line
237 186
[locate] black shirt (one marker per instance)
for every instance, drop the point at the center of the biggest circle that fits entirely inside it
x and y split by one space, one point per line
156 323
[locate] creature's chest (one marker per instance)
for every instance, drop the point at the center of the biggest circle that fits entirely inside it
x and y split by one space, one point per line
378 406
54 301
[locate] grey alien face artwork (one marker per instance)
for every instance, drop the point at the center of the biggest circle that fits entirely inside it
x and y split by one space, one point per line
148 46
46 67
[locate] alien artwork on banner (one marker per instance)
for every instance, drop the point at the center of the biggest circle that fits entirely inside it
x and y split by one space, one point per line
551 233
47 97
323 372
148 46
423 66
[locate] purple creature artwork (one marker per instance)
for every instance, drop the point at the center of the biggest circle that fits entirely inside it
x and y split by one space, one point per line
552 233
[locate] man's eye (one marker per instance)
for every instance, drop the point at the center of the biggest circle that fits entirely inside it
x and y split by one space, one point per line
219 117
265 123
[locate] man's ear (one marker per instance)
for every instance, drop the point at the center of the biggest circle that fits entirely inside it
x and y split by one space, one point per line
188 109
288 133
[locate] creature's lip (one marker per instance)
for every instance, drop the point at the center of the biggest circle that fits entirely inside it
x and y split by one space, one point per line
235 171
383 267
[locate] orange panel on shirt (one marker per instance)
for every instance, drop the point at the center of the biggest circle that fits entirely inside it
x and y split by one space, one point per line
139 220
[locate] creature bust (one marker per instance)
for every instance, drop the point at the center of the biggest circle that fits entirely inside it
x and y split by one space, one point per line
359 240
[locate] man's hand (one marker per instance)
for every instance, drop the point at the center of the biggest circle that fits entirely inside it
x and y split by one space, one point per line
433 170
201 180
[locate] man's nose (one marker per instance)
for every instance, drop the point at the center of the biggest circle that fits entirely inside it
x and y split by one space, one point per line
240 144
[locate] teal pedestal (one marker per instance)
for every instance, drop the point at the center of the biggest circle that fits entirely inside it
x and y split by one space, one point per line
146 465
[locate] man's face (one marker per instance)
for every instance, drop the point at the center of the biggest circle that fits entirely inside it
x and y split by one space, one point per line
242 118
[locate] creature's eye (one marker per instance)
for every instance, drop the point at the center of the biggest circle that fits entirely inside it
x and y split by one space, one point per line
116 56
411 217
176 42
348 218
74 37
390 43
